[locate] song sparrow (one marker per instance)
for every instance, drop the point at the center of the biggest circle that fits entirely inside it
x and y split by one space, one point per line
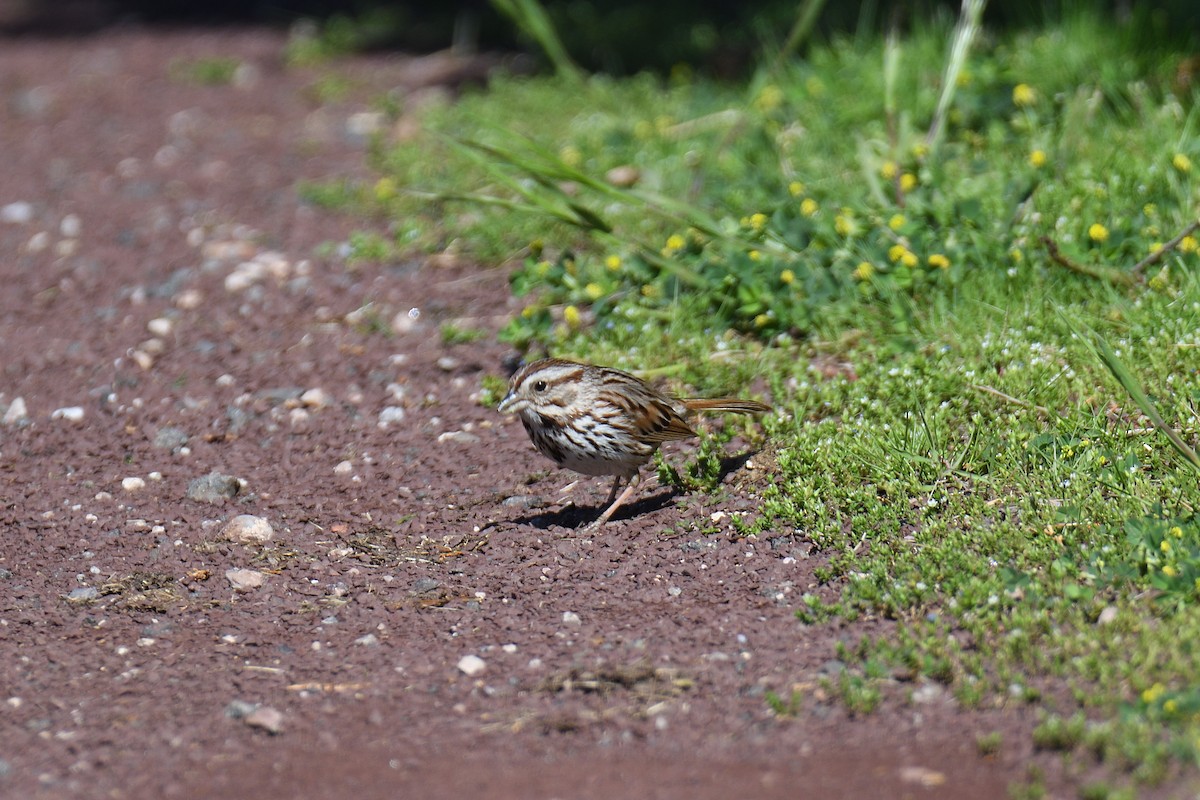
602 421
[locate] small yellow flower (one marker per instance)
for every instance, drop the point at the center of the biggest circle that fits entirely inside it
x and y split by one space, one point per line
864 271
795 188
385 189
1017 256
770 97
1155 247
920 150
1153 693
1150 210
675 243
528 311
939 261
1170 571
543 267
908 182
594 291
761 320
758 221
755 255
1171 706
1176 531
844 225
787 277
1037 159
1181 163
897 222
888 170
651 291
1165 546
1097 232
1024 95
571 315
570 155
909 259
896 252
809 207
613 263
1188 244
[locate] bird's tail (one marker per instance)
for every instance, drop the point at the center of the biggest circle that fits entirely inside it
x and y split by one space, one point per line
733 405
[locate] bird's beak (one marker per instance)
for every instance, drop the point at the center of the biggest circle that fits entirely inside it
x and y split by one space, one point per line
506 405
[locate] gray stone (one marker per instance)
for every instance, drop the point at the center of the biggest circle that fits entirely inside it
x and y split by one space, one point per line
213 488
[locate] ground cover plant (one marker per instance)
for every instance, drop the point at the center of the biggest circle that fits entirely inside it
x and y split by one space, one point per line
963 266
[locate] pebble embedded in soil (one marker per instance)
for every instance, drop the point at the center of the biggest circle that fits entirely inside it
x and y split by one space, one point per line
316 398
571 618
69 413
133 484
265 717
471 665
457 437
213 488
245 580
16 412
390 415
18 213
248 529
170 438
83 594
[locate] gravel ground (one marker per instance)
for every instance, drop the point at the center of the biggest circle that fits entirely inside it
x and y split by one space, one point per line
261 540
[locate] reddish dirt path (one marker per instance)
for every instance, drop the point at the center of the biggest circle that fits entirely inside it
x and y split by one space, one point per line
632 663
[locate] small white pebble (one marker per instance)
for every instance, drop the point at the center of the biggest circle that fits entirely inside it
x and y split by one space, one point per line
155 476
471 665
71 226
38 242
189 299
390 415
316 398
343 468
571 618
160 326
15 412
69 413
134 484
18 213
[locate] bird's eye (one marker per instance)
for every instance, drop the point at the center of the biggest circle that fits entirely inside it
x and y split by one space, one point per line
539 386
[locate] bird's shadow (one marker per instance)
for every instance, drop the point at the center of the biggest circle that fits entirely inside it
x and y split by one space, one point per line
573 516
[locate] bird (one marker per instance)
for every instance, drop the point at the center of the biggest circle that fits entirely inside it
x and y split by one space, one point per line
600 421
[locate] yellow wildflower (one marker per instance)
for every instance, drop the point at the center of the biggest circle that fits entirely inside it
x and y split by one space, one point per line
1170 571
795 188
808 207
1165 546
571 315
1150 210
1181 163
1188 244
761 320
909 259
888 170
570 155
758 221
594 291
864 271
896 252
1171 706
897 222
1024 95
787 277
1016 255
1176 531
542 267
920 150
613 263
1155 247
908 182
770 97
675 243
939 261
650 290
755 255
1153 693
844 225
1097 232
1037 159
385 189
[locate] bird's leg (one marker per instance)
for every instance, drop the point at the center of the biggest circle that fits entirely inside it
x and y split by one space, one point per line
608 512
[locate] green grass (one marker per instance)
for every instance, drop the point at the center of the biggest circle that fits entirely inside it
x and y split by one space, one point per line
933 315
